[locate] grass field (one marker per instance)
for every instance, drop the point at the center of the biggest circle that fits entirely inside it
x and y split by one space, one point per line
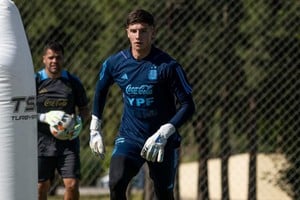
59 197
94 197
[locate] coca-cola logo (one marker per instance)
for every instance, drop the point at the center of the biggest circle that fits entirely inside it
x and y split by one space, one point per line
141 90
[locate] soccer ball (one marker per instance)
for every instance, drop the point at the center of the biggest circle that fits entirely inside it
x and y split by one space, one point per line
64 129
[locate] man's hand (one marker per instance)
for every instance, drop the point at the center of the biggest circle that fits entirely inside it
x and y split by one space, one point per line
96 139
52 117
96 144
77 128
153 149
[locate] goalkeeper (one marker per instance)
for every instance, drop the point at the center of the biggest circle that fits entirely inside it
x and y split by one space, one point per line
58 93
151 82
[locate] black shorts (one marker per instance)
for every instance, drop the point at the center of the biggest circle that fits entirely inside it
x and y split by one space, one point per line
67 166
126 160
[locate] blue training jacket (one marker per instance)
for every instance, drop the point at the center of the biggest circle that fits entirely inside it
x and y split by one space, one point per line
155 92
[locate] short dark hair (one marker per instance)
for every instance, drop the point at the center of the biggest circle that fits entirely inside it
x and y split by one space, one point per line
140 16
55 46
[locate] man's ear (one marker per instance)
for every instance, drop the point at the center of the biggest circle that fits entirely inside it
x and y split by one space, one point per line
153 33
43 59
126 30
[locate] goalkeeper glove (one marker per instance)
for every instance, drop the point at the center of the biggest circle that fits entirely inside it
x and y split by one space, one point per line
96 139
52 117
153 149
77 128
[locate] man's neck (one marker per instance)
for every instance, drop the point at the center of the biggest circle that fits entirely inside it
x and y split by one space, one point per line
139 55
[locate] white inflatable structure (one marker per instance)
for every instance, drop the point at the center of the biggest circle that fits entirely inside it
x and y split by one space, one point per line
18 124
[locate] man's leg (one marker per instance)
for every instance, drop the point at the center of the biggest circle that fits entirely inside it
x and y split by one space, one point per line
46 168
122 170
163 174
43 188
71 189
69 169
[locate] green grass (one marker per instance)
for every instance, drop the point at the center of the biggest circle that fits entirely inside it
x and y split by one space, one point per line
137 196
94 197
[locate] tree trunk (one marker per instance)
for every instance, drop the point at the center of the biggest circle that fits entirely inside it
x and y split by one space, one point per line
200 132
252 138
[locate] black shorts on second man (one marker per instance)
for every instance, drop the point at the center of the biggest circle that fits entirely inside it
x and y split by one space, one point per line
68 166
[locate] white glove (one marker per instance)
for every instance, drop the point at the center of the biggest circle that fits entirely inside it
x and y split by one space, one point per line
52 117
153 149
96 139
77 128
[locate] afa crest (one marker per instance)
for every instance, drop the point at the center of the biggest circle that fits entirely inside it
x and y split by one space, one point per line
152 75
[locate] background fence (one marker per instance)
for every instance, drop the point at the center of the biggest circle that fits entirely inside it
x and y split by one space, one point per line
241 56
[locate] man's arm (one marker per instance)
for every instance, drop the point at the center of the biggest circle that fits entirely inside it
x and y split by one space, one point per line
183 92
185 111
104 82
84 113
96 135
153 149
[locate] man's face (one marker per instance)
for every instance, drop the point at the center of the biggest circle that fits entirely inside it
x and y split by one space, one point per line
53 61
140 36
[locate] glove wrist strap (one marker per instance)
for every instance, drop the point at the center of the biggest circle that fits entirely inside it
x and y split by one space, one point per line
95 123
42 117
167 130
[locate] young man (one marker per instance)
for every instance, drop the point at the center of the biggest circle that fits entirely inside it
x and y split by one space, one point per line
58 92
151 82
